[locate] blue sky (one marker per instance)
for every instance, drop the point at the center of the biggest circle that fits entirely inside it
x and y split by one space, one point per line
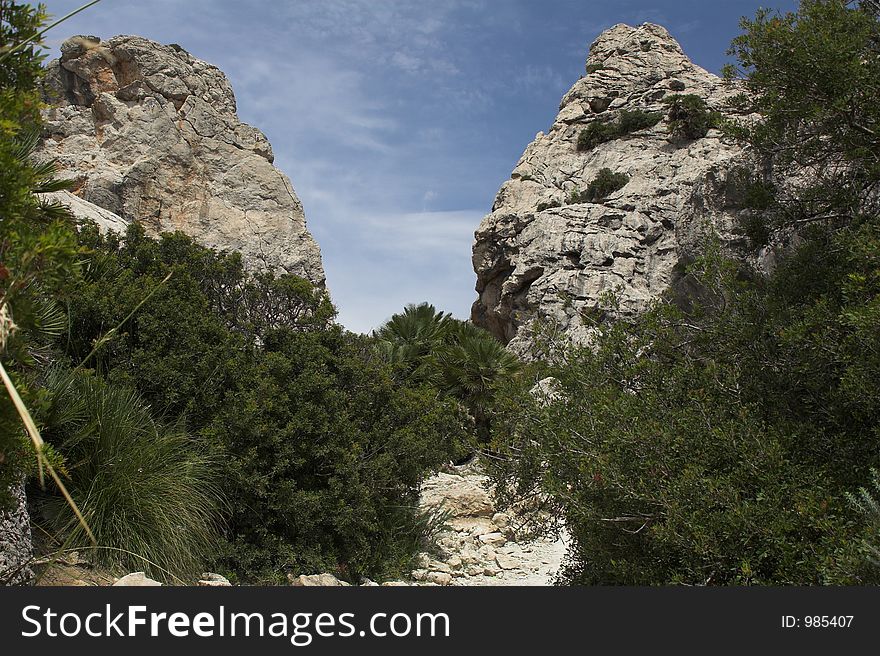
397 120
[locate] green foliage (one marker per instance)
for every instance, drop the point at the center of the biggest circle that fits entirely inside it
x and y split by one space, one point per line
319 449
813 77
408 338
548 205
460 360
148 492
38 250
469 367
867 501
715 446
603 185
689 117
325 453
627 122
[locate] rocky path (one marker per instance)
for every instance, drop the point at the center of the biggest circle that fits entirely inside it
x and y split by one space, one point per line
480 546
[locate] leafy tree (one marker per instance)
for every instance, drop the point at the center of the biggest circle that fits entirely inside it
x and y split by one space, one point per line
707 447
813 77
318 447
324 455
409 337
460 360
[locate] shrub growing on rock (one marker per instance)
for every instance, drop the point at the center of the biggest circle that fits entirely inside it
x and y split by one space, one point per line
548 205
689 117
627 122
603 185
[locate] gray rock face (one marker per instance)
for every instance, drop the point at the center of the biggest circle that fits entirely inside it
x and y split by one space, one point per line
557 262
16 546
150 134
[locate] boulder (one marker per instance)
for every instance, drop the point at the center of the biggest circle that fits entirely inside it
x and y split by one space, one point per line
315 580
136 580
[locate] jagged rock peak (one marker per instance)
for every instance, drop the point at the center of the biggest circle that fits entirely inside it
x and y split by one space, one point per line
543 254
150 133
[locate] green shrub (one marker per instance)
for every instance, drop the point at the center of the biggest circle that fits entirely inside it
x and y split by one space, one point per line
320 448
324 453
716 445
460 360
627 122
689 117
148 492
594 134
39 251
630 121
548 205
603 185
867 502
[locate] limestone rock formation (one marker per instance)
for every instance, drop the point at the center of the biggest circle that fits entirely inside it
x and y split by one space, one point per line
149 133
536 260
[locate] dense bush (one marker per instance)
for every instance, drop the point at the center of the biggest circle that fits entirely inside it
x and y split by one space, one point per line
38 251
627 122
603 185
689 118
149 492
715 446
324 455
460 360
548 205
319 449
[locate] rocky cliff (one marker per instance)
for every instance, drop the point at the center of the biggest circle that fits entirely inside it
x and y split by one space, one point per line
149 133
541 253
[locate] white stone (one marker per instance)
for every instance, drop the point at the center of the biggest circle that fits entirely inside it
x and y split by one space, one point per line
501 520
495 539
138 580
439 578
506 561
212 580
315 580
460 496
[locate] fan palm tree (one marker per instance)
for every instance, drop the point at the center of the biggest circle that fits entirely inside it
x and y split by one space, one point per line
470 368
408 338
